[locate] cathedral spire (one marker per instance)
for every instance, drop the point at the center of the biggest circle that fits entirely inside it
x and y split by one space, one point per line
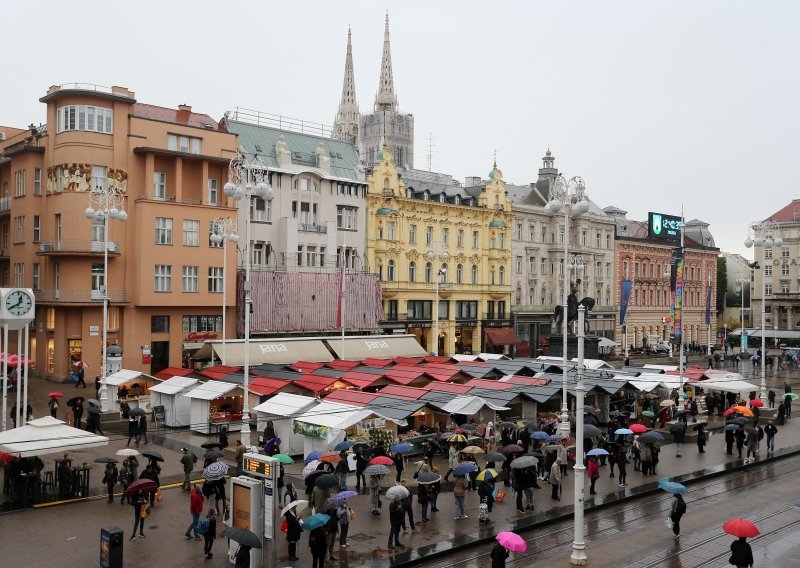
386 98
345 126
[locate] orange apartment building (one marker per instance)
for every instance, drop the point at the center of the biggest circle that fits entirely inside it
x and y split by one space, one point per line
164 275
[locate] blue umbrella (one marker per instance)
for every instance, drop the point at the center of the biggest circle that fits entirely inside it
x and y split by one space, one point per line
555 437
672 487
623 431
540 435
343 446
316 521
731 427
597 452
402 448
464 468
314 455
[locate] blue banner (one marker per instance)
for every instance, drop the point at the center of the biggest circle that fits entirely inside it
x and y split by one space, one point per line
625 296
708 306
677 292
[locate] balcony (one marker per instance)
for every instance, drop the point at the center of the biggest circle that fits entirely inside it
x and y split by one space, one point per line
4 254
311 228
76 247
5 204
86 297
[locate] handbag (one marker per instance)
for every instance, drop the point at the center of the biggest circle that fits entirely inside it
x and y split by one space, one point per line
158 495
284 526
668 522
352 515
144 511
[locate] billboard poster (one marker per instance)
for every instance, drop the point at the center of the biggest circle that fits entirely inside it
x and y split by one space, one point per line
625 296
708 306
662 226
241 506
676 285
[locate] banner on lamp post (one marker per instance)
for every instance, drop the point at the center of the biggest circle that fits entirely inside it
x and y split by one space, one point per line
708 306
625 296
676 286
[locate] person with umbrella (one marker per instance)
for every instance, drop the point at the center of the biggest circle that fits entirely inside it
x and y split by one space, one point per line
424 498
741 553
126 477
133 432
459 492
52 404
678 431
138 501
320 497
341 470
396 516
361 464
752 444
343 512
452 459
293 527
739 435
519 482
196 503
430 452
243 557
771 398
770 430
143 428
622 470
375 493
677 511
331 528
486 492
150 473
499 554
319 545
77 410
110 478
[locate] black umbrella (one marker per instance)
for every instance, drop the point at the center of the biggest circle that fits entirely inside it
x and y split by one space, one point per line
211 445
94 401
651 438
243 536
326 481
506 425
739 421
94 410
310 481
106 459
590 420
137 412
537 455
153 455
469 427
428 477
589 430
750 430
678 428
74 401
495 457
214 454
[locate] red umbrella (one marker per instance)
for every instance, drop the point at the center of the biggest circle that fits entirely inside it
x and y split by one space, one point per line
6 459
56 394
146 485
638 428
756 402
330 457
741 528
381 460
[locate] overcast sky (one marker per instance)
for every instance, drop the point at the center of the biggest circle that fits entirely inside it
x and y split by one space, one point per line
654 104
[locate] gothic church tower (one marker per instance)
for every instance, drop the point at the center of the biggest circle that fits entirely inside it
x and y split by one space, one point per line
345 126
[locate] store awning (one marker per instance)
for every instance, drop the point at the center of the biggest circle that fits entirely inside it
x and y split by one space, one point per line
277 351
286 404
376 346
502 336
469 405
174 385
211 390
727 385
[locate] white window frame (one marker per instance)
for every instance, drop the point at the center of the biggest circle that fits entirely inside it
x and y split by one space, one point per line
216 279
37 228
37 276
37 181
160 185
163 278
213 192
190 279
191 233
260 210
163 230
86 118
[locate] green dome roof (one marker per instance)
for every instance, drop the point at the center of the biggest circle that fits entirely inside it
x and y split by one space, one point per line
386 211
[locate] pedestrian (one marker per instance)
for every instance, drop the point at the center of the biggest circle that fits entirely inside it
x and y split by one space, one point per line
318 546
243 557
436 488
219 495
196 503
555 479
486 495
612 458
408 509
459 492
396 516
430 452
637 454
187 460
210 533
97 385
452 460
319 498
125 478
622 468
741 553
677 437
752 445
654 451
341 471
139 503
701 438
151 474
770 430
729 439
787 403
739 436
343 512
53 406
563 456
375 493
238 456
771 398
519 482
143 428
293 532
80 372
331 529
647 459
530 475
110 478
361 464
499 555
133 431
593 471
77 412
423 498
676 512
223 437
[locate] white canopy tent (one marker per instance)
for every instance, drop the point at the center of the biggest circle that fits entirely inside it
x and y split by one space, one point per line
202 397
588 363
47 435
470 405
282 409
177 408
660 367
109 395
740 387
323 426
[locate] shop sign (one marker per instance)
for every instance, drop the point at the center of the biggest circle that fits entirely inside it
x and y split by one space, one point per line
94 330
273 348
310 430
377 345
194 336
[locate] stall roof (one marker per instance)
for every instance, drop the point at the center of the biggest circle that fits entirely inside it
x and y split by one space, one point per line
351 397
283 375
218 371
173 372
305 366
446 375
361 380
465 357
372 370
529 381
491 356
174 385
447 387
326 372
405 377
278 351
502 336
662 367
487 384
496 397
484 370
382 346
266 386
588 363
727 385
402 391
538 393
469 405
286 404
373 362
395 409
439 359
315 383
125 376
47 435
334 415
211 390
342 365
413 361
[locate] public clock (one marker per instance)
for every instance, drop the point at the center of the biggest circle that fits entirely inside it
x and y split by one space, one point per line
19 303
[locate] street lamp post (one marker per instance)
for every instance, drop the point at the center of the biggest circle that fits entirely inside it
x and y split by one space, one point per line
247 177
222 231
569 195
765 234
106 202
578 556
440 255
740 289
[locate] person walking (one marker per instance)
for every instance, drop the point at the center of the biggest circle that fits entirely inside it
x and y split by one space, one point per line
452 460
498 555
238 456
622 470
331 530
729 439
399 465
423 498
701 438
787 404
555 479
519 482
678 436
77 412
139 503
593 471
396 516
53 406
293 531
771 398
375 493
408 509
752 446
739 436
486 495
242 558
210 534
196 503
80 372
187 460
741 553
143 428
361 464
110 478
436 488
637 454
676 512
318 546
151 474
770 430
133 431
430 452
125 478
343 512
459 492
341 471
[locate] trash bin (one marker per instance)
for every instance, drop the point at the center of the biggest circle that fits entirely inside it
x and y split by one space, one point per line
111 547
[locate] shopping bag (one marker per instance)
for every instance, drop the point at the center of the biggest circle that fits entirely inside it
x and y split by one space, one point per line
158 495
284 526
145 510
499 495
668 522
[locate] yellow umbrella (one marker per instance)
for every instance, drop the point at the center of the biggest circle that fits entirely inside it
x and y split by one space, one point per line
487 475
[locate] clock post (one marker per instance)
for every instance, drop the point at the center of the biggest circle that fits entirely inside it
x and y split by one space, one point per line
17 311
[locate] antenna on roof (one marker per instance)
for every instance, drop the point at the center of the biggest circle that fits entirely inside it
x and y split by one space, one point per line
430 150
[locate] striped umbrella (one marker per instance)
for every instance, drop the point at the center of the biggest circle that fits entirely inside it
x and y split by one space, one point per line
458 438
487 475
376 470
215 471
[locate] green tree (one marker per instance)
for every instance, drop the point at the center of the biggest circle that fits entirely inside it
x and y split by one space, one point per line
722 283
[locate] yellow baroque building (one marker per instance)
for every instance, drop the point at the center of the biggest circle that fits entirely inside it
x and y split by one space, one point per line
418 232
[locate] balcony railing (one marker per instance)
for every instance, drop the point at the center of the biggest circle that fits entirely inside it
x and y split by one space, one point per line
71 296
5 204
73 246
311 228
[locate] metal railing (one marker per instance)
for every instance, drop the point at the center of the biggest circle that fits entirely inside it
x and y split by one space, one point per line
72 296
280 122
76 246
311 228
5 204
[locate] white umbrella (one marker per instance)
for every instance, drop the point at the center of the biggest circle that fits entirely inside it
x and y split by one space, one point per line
299 504
309 468
126 452
47 435
397 492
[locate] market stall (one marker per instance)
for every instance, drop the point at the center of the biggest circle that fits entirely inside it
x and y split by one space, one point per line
167 397
215 404
132 387
282 409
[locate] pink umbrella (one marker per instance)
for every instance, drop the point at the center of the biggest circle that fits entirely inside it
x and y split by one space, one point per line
638 428
511 541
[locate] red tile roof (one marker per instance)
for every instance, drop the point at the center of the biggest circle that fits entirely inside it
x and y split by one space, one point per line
314 383
438 359
448 387
218 371
175 116
487 384
361 380
267 387
170 372
405 377
373 362
342 365
529 381
408 360
352 397
402 392
789 214
306 366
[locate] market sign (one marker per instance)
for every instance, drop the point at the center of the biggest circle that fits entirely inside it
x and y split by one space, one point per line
311 430
661 226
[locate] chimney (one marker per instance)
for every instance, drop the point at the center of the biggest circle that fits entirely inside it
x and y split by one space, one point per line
184 108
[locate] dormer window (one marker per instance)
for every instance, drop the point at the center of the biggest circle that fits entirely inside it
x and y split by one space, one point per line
426 196
409 193
457 200
442 198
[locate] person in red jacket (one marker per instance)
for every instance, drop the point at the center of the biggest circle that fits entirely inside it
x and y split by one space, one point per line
593 471
196 502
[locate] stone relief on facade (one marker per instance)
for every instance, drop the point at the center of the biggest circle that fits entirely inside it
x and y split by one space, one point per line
282 153
78 178
323 159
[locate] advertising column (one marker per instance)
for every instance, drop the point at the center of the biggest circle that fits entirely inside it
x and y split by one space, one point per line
266 468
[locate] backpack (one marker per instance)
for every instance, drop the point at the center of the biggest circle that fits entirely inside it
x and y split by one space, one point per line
202 526
680 508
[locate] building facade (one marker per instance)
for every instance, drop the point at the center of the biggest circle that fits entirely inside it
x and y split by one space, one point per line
164 278
738 292
474 280
538 262
646 262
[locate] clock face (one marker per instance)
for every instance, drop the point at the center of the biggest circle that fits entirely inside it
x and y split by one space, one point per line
18 303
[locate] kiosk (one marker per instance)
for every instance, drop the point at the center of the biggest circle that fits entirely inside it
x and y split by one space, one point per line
247 512
131 386
214 404
169 394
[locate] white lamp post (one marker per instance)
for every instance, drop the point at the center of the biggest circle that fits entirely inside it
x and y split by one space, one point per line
571 197
247 177
222 231
106 203
578 556
440 255
740 289
765 234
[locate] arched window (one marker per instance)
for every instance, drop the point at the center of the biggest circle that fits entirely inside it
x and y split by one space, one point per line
428 271
409 193
491 277
501 272
474 274
390 271
459 274
412 271
518 297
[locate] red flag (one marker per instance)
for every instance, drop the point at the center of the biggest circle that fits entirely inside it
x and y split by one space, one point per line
339 316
